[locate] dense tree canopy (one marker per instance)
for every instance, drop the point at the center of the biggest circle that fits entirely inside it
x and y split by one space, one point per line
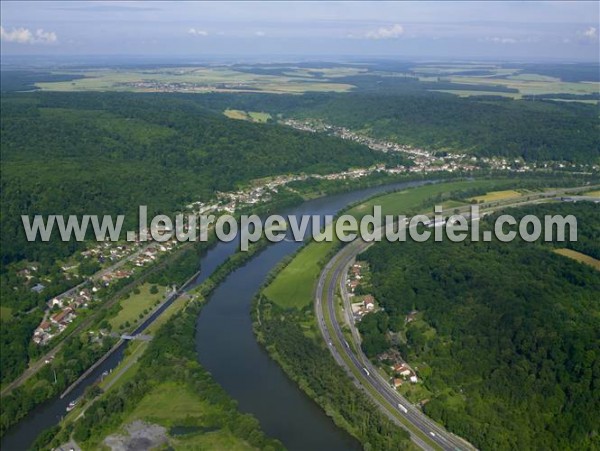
509 330
107 153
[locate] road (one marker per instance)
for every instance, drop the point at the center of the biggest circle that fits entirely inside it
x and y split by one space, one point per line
424 432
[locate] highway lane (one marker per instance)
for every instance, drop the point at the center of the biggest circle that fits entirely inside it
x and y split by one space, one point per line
430 434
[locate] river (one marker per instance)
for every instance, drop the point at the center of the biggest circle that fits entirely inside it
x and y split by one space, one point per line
228 349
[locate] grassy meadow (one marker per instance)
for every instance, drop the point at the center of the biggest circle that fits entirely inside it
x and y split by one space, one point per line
135 305
294 285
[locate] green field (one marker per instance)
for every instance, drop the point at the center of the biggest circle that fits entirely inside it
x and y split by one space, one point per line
252 116
407 202
132 307
172 404
526 83
531 85
294 286
193 80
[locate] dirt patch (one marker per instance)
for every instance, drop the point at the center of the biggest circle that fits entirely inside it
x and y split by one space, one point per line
140 437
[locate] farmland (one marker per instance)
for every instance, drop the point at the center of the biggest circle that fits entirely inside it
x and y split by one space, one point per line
496 195
252 116
192 80
463 80
578 256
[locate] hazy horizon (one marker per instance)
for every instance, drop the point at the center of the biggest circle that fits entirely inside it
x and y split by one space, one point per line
507 31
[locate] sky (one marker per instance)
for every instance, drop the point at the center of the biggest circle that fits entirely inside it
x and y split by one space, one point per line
524 31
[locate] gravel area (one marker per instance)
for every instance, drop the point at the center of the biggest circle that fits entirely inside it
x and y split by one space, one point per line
140 436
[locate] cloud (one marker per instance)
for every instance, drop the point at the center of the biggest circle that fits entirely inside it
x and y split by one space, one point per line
591 33
498 40
26 36
197 32
260 33
391 32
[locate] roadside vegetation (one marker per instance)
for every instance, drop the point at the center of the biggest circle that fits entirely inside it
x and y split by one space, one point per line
505 339
285 322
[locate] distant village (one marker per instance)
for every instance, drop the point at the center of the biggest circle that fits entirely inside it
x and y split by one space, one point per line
63 309
426 161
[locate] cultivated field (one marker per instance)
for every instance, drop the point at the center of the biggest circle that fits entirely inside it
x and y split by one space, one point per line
495 75
192 79
252 116
496 195
581 258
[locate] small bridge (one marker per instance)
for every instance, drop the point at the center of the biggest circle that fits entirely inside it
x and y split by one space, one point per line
136 337
132 337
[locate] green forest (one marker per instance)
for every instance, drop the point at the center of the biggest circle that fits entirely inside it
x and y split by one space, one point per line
108 153
404 110
509 333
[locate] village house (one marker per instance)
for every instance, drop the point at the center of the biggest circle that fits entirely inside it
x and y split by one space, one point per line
369 302
411 316
43 328
38 288
402 369
63 316
353 284
405 371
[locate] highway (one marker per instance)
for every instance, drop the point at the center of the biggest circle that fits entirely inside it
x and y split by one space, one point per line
424 432
428 434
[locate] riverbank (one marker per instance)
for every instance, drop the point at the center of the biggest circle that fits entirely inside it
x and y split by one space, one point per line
160 278
286 326
170 351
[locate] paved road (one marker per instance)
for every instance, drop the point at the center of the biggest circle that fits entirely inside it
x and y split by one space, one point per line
429 435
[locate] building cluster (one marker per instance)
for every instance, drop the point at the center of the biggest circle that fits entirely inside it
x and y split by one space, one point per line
150 254
422 160
229 202
65 309
115 275
366 303
182 86
108 251
401 372
425 161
